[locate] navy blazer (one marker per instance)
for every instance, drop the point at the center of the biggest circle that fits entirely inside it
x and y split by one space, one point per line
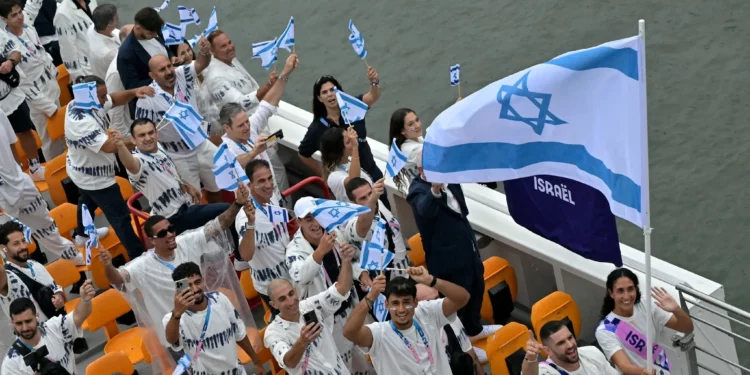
132 64
447 236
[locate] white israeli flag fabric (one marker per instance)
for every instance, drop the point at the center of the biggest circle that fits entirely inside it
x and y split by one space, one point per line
381 312
227 170
331 214
581 115
396 160
277 214
163 6
267 52
357 41
187 121
172 34
85 97
286 40
352 108
26 229
374 257
455 74
90 230
187 16
213 23
194 41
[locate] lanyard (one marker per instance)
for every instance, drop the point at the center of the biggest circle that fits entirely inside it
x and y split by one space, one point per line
165 264
411 347
306 361
205 328
33 274
323 266
259 206
32 52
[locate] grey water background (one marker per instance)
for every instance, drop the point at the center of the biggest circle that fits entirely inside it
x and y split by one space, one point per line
697 61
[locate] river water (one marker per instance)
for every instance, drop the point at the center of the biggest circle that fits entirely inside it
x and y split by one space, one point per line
696 55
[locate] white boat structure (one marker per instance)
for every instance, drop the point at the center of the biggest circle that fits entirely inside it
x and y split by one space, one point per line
542 266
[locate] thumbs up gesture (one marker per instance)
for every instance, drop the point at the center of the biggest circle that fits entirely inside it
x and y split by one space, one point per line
533 348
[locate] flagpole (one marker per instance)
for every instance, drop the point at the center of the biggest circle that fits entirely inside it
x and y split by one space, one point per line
646 201
162 123
459 89
294 51
368 65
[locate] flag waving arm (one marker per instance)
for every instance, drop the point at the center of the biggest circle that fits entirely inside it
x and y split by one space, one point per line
124 97
355 329
424 200
364 221
204 55
374 94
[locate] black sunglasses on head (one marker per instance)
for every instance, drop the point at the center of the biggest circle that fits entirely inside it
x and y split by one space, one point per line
323 78
163 233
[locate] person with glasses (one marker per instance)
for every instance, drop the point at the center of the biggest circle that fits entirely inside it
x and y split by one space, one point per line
327 114
153 172
151 273
410 343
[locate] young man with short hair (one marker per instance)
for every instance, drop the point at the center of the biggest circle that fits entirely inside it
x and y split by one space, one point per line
206 326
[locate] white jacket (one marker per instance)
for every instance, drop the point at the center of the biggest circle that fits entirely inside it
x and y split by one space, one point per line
225 84
72 25
40 87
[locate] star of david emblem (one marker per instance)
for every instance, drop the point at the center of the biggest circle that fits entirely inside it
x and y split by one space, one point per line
340 203
393 160
183 114
539 100
359 42
381 308
231 174
344 108
454 76
335 213
372 265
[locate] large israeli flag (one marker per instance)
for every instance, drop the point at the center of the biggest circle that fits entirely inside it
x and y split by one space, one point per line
330 214
267 52
187 121
352 108
85 96
581 115
227 170
286 40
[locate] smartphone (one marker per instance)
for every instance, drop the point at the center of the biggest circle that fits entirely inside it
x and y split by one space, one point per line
273 138
310 317
181 285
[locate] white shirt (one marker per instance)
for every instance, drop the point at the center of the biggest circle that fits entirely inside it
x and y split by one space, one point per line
389 354
72 25
58 334
153 108
40 85
154 279
102 49
159 181
450 198
13 182
271 240
17 288
399 246
225 329
226 84
153 47
336 180
610 343
85 134
11 97
282 334
463 339
592 363
412 150
119 116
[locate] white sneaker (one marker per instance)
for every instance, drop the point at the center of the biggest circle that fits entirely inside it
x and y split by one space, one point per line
38 175
81 240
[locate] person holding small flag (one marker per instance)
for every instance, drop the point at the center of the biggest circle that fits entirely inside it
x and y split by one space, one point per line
154 173
339 154
91 156
411 342
314 260
264 226
406 132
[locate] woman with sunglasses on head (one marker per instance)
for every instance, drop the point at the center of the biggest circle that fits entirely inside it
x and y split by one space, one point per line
406 129
340 156
327 114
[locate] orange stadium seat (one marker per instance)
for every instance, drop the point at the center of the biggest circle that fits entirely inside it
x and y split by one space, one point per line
63 79
111 363
56 124
65 274
416 255
504 343
107 307
497 271
556 306
40 185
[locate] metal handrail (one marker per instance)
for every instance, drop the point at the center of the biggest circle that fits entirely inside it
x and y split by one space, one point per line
737 365
706 298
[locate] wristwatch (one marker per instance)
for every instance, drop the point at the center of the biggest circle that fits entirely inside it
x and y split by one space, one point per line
250 227
434 281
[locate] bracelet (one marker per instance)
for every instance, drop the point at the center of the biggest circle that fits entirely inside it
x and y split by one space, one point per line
284 78
205 54
87 302
237 204
434 281
532 361
369 302
375 84
250 227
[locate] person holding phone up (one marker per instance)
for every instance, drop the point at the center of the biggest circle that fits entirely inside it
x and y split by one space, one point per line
301 336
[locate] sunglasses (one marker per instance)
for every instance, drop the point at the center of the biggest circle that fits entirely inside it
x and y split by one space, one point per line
163 233
323 78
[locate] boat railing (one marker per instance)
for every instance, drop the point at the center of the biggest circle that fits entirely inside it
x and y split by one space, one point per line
687 344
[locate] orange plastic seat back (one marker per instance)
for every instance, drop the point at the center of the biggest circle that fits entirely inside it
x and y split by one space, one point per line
416 255
503 343
54 174
56 124
65 217
63 79
106 307
19 151
64 272
126 189
556 306
497 270
246 281
111 363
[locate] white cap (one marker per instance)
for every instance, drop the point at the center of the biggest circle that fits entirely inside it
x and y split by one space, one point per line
304 207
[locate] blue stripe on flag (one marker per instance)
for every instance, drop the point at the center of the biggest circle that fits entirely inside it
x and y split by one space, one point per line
354 101
496 155
389 171
624 60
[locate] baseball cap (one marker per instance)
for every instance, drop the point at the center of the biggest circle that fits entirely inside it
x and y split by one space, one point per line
304 207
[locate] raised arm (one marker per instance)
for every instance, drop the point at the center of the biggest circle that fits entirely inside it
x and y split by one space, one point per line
530 364
83 309
181 302
131 163
247 244
350 137
31 11
456 297
204 55
273 96
374 94
114 276
258 148
227 217
680 320
344 282
425 203
124 97
355 329
364 221
303 270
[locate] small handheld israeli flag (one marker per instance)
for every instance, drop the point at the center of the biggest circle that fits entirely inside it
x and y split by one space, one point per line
90 230
277 214
352 108
286 40
213 23
267 52
187 16
227 170
455 75
396 160
163 6
330 214
374 257
85 97
182 365
187 121
26 229
381 312
172 34
378 235
194 41
357 41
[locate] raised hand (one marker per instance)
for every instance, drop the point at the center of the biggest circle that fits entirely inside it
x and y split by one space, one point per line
272 78
309 333
203 46
327 242
105 257
420 275
372 75
182 301
365 280
58 301
376 287
87 291
533 348
347 252
292 61
378 188
249 209
260 143
242 195
144 91
664 300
